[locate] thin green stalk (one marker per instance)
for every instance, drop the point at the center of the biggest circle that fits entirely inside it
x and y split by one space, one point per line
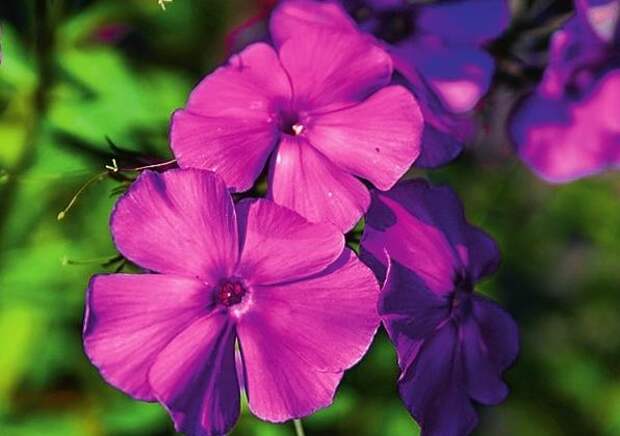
299 428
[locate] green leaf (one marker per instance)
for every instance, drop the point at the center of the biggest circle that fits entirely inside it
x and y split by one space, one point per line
103 96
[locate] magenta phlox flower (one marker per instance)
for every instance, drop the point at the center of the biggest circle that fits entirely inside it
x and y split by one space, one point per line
252 289
569 127
452 344
320 106
437 47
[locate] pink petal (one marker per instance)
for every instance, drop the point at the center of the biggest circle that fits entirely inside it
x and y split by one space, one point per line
230 123
566 139
279 386
412 241
328 320
235 149
330 70
131 318
298 17
302 179
245 87
280 245
432 221
196 379
378 139
299 337
178 222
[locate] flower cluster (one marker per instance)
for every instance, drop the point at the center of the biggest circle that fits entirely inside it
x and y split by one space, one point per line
262 296
569 127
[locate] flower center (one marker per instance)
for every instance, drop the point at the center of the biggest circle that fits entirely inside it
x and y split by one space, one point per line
230 292
460 304
463 283
290 124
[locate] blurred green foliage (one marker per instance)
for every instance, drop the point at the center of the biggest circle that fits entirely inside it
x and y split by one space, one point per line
74 73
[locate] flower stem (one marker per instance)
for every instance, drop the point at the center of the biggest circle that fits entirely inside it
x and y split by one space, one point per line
299 428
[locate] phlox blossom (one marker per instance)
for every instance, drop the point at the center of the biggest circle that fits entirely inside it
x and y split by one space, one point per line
320 106
452 344
248 295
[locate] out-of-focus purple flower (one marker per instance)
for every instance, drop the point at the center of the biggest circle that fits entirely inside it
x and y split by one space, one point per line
257 277
570 126
321 105
436 47
452 344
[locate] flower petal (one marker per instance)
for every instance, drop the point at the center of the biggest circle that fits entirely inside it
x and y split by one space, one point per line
130 318
465 21
499 331
410 311
299 337
484 381
230 124
412 241
438 239
247 87
572 47
444 131
298 17
603 16
178 222
280 245
235 149
304 180
432 387
196 379
378 139
567 139
328 320
331 70
459 75
438 147
279 385
490 342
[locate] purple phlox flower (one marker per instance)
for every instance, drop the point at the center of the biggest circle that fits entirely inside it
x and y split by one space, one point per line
452 344
320 105
437 47
569 127
255 277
